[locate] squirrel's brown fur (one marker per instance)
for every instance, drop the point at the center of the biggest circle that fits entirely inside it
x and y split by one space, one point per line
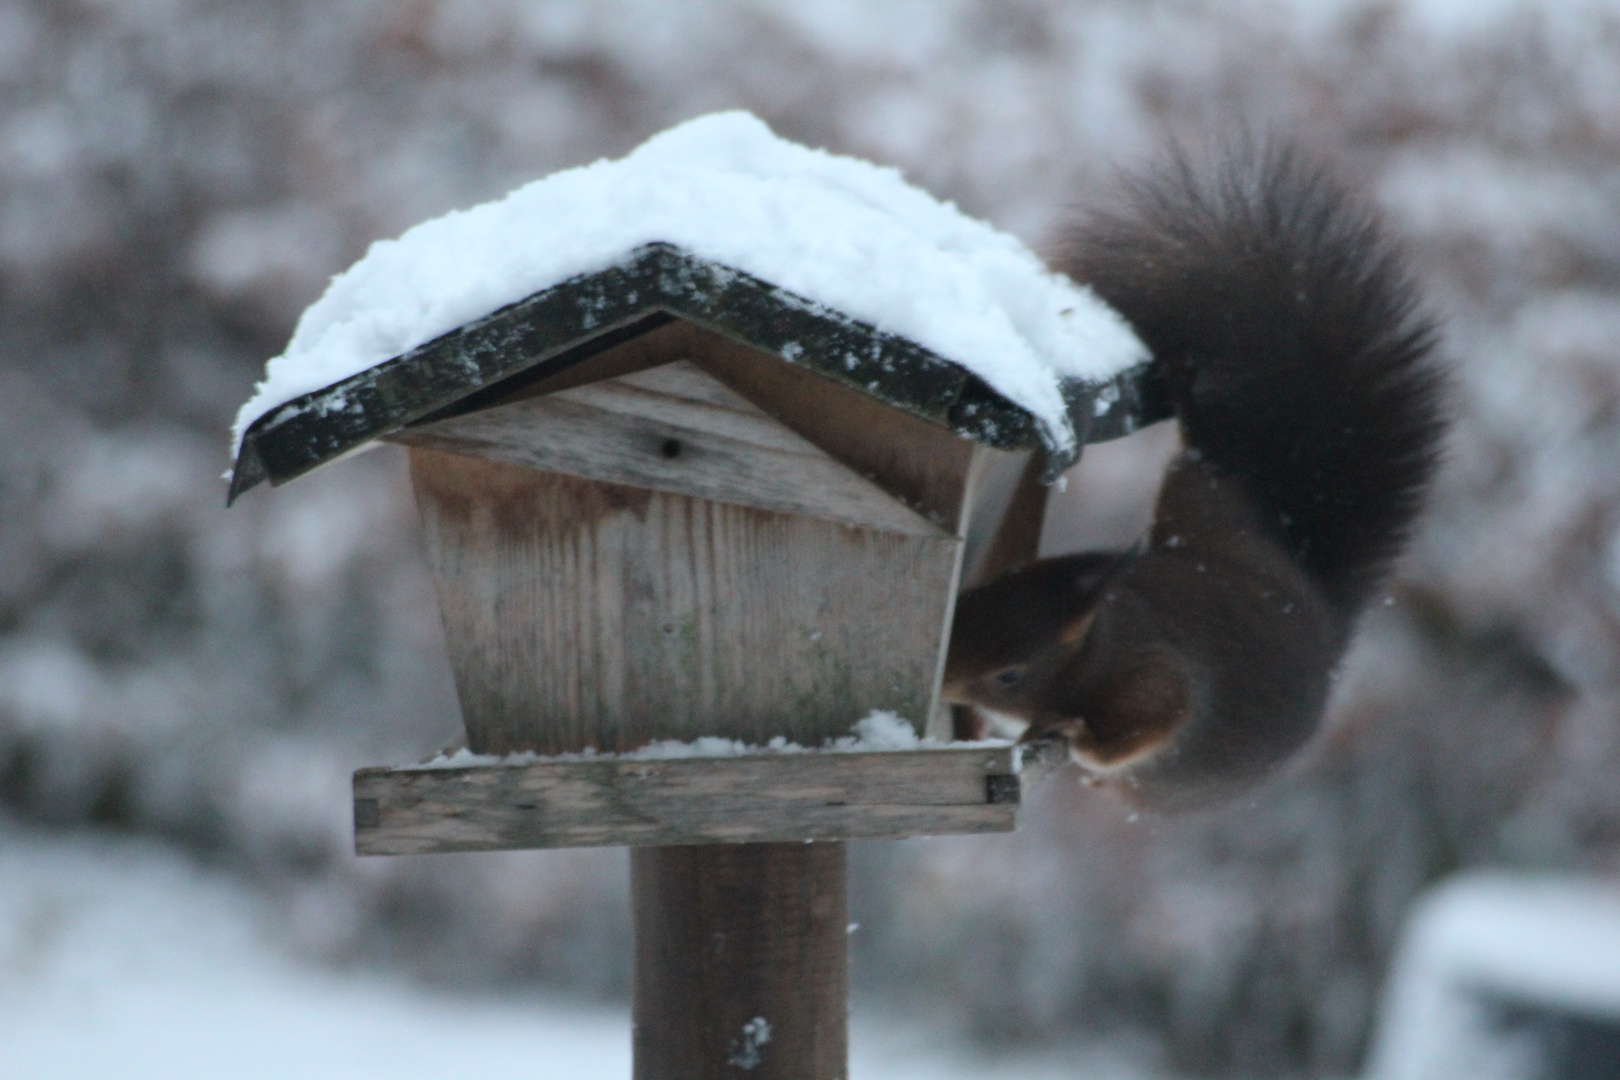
1287 333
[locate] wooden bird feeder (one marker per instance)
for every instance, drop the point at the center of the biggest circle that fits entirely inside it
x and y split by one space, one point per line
665 501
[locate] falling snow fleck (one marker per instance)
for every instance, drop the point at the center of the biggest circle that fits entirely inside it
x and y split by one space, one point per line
745 1052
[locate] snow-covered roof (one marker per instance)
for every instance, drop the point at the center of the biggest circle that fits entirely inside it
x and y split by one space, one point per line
838 234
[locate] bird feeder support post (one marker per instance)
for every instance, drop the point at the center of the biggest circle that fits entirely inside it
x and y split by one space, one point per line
741 961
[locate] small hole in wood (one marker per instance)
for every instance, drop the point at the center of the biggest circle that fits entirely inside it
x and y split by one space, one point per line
671 448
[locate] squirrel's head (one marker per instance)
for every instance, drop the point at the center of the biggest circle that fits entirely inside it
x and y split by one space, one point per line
1070 649
1028 648
1012 638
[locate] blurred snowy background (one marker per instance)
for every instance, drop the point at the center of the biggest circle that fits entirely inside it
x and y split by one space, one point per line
184 691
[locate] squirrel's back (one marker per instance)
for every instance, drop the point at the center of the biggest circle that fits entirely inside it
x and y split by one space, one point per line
1285 327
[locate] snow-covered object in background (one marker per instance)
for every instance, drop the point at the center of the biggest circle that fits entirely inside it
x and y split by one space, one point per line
1491 940
836 230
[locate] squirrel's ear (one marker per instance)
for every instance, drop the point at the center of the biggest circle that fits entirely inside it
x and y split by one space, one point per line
1098 570
1075 630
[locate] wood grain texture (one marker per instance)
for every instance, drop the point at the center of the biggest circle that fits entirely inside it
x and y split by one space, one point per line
676 429
920 462
766 434
923 464
582 614
821 795
741 962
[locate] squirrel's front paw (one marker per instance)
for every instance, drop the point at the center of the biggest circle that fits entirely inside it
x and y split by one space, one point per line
1069 731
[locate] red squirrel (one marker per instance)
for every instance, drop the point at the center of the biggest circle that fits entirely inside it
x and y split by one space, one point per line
1287 332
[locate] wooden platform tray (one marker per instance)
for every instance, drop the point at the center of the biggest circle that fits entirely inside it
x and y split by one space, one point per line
651 802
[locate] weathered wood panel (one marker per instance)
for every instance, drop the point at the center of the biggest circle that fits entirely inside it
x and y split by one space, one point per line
741 962
925 465
674 428
581 614
603 802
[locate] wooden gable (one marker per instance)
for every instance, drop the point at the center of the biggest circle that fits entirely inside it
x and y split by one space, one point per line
676 429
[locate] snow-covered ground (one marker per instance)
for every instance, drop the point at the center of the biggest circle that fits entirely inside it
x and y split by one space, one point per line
118 958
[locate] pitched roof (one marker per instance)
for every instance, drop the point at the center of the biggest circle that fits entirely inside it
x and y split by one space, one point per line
490 357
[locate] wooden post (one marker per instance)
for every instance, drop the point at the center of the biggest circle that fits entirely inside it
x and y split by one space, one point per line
742 969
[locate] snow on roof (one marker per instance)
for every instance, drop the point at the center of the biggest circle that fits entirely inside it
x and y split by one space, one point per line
839 231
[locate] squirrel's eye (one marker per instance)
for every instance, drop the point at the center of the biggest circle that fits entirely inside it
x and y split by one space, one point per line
1008 676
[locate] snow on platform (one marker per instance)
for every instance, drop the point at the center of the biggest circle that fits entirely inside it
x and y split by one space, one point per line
838 231
880 729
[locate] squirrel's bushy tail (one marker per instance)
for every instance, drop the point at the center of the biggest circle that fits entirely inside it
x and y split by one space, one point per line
1285 326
